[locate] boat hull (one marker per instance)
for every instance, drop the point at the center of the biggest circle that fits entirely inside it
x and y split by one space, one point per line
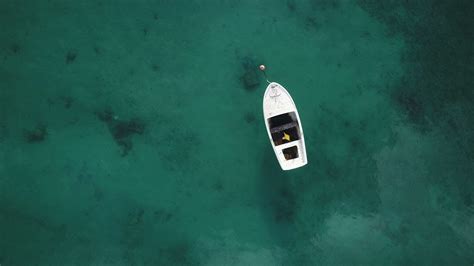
287 139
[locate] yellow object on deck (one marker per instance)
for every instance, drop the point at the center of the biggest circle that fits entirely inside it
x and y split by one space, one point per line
286 136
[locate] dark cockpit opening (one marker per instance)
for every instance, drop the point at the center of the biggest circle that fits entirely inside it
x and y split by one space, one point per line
284 128
291 152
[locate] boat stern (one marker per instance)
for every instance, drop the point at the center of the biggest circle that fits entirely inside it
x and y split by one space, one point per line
291 155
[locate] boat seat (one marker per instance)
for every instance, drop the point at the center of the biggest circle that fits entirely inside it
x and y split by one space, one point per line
284 127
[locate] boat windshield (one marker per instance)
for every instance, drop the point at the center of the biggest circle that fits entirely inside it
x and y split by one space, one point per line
284 128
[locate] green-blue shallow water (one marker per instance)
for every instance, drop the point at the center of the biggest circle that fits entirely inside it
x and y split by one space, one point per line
131 132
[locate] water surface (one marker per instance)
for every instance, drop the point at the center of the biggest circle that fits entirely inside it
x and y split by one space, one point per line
131 133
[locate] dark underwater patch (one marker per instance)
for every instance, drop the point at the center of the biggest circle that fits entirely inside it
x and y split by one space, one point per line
250 117
36 134
122 130
438 56
155 67
291 5
311 22
71 56
279 199
145 30
218 186
251 78
97 50
436 89
15 48
67 101
410 104
435 93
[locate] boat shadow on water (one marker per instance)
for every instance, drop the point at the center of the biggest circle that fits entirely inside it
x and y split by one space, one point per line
278 199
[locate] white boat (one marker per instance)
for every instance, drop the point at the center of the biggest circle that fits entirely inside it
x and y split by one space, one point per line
284 127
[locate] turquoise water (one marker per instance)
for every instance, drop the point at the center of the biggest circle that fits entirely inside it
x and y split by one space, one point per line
131 133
